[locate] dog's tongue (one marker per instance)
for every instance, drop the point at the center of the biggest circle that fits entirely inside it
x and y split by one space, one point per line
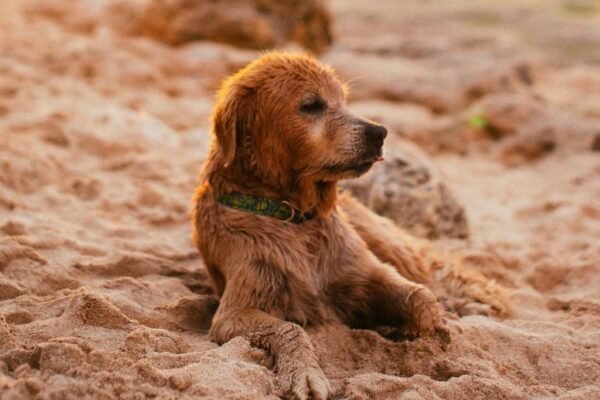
379 158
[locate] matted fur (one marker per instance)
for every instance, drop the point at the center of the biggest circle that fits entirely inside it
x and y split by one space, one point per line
282 131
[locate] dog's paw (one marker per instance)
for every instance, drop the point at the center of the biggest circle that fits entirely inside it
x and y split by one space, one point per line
425 316
307 383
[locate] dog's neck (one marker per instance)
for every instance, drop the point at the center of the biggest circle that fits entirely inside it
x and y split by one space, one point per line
304 193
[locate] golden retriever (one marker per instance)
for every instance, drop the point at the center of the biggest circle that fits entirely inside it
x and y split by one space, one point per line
283 137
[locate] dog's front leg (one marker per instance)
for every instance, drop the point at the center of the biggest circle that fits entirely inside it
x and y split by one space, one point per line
299 374
387 241
373 294
409 306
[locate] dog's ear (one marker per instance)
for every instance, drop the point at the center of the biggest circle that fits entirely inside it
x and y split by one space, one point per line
231 118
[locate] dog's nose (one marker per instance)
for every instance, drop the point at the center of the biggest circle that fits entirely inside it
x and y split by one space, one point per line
375 133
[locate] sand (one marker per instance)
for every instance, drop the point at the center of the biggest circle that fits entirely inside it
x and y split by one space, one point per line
102 294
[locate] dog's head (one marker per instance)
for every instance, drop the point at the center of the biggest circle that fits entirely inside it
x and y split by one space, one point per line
283 118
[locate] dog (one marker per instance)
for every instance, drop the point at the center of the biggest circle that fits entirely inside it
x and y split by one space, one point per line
283 248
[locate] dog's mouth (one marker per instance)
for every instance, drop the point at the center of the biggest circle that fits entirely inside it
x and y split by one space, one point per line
363 167
358 167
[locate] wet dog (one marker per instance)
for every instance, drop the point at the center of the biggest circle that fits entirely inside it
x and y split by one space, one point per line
282 247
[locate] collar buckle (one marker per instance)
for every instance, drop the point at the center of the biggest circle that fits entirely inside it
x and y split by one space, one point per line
292 211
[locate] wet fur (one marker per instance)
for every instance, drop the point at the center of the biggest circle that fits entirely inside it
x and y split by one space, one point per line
275 277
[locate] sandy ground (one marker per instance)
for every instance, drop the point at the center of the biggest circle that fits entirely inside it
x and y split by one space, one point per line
102 294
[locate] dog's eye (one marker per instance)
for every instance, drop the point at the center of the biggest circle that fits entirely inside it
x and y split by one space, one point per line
313 106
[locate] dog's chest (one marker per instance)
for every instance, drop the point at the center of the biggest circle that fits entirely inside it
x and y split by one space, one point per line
325 246
325 251
324 260
309 278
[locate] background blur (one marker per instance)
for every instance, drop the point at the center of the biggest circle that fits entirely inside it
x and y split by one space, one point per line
493 109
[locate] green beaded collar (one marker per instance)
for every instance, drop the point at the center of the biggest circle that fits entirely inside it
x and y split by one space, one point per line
270 208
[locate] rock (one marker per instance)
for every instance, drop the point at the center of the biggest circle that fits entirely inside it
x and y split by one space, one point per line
395 80
516 128
255 24
495 76
507 113
528 146
531 128
407 189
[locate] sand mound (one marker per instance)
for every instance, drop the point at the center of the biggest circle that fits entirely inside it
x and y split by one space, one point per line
102 294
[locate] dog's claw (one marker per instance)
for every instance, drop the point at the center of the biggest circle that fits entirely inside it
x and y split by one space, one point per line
310 384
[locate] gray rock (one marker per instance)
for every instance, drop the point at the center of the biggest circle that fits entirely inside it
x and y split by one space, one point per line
406 188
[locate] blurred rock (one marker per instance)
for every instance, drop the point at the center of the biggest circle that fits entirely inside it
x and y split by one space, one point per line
514 127
443 84
494 76
531 128
528 146
407 189
256 24
506 113
396 79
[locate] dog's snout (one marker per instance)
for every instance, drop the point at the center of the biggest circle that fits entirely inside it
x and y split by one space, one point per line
375 133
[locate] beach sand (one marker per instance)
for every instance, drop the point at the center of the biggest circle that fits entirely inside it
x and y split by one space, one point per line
102 134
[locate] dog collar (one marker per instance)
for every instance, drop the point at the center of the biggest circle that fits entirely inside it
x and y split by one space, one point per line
270 208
